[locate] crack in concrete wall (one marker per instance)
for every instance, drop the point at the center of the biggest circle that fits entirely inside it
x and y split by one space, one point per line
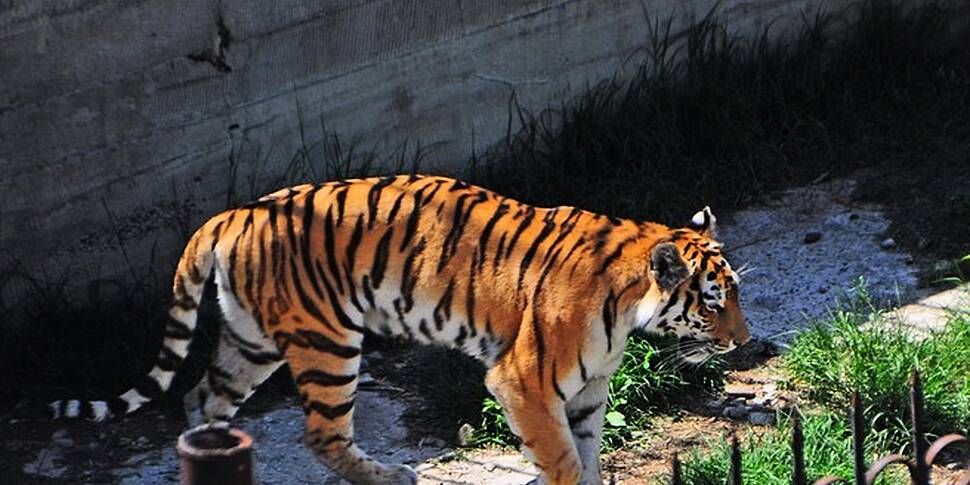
216 55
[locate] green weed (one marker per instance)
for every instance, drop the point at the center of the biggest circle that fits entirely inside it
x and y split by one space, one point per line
859 349
767 455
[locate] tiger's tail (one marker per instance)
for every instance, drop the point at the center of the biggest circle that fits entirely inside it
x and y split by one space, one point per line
193 270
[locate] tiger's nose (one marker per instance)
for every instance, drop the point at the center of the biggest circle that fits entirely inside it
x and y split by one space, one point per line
740 341
741 336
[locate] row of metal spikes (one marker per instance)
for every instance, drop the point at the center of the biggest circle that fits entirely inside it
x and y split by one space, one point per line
919 469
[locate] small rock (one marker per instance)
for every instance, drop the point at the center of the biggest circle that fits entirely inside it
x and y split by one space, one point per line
466 434
770 302
770 389
784 402
887 243
761 418
715 404
812 237
432 442
738 390
837 221
761 402
909 260
365 380
448 456
736 412
823 290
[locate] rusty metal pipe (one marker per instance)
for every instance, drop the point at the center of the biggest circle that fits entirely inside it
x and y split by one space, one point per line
797 449
735 460
214 454
920 470
675 470
858 440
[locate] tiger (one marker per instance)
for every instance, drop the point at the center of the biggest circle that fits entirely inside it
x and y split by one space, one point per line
545 298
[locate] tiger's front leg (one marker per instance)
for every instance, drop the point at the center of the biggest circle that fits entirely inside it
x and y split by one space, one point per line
584 413
539 420
325 368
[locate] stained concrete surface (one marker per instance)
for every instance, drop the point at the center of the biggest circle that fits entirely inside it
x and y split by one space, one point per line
930 313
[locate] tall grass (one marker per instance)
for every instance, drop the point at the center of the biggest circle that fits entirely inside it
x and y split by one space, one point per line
860 349
653 379
767 454
855 349
73 342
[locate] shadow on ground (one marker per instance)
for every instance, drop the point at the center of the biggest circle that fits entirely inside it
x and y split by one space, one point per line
141 449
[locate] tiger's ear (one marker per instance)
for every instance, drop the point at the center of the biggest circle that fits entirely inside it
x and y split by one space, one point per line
704 222
667 266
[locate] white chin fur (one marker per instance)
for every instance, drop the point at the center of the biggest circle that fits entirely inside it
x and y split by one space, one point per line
646 308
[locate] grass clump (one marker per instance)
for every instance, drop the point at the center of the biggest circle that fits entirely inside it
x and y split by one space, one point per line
863 350
767 454
650 379
856 349
85 342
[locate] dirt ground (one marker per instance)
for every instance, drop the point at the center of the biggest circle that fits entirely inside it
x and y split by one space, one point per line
805 246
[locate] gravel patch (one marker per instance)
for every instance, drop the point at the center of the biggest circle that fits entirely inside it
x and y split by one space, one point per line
805 248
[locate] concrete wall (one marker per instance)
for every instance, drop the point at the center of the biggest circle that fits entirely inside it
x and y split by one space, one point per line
120 121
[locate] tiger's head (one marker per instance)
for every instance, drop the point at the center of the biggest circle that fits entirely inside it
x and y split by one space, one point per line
695 295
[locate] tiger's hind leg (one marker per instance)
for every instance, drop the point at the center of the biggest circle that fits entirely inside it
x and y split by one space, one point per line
233 375
325 370
242 360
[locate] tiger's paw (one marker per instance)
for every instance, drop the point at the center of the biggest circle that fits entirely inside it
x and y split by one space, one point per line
401 475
